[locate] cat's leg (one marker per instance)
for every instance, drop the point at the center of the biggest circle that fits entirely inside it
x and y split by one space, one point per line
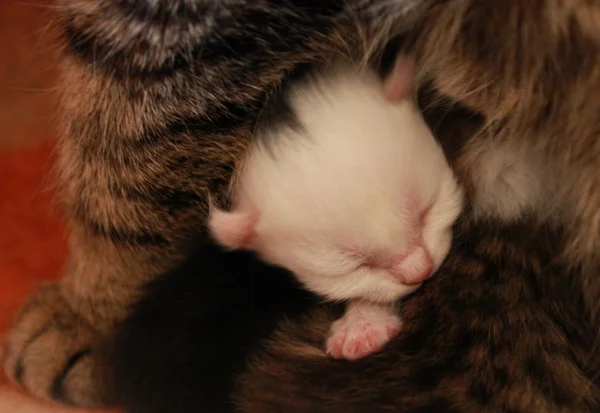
122 235
134 210
158 111
365 328
54 348
135 185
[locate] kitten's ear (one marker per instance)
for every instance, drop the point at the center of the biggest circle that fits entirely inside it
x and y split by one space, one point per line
233 230
400 80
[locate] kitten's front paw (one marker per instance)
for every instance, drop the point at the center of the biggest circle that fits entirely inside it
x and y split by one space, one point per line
359 334
51 351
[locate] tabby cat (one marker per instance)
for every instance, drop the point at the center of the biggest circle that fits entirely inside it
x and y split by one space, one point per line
160 99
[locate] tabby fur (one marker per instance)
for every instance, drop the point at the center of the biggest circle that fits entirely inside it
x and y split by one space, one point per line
160 98
498 330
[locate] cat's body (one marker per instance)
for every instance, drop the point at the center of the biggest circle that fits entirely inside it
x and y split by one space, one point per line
352 194
160 101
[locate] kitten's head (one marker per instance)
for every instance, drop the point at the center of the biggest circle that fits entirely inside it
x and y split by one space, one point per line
380 249
366 213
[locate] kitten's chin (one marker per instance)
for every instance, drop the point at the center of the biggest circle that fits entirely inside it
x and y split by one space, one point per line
390 295
384 289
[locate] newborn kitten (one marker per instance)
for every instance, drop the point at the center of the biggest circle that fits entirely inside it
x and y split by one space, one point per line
352 194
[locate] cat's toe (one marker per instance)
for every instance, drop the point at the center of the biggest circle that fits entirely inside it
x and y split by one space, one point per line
51 351
355 339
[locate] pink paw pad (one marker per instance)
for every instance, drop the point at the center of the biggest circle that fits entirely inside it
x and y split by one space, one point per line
353 338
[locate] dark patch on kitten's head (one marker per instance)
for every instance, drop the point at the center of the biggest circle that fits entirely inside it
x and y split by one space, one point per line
278 115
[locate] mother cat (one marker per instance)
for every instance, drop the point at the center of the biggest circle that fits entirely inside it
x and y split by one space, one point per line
160 99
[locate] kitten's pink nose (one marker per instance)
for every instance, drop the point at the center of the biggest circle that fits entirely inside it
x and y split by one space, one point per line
413 267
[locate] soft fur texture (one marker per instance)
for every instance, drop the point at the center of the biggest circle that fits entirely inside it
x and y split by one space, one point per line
512 341
352 194
149 130
160 100
198 329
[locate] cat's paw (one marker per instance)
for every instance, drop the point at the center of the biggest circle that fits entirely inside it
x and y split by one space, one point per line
358 334
51 351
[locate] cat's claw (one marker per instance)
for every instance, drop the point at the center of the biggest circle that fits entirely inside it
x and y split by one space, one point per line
356 335
51 351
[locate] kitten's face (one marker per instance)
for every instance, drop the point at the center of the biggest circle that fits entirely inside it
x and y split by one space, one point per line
380 255
365 208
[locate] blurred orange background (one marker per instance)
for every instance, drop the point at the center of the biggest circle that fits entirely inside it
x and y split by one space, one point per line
32 246
32 233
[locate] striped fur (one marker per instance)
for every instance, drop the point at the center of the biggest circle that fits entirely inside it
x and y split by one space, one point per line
158 109
160 98
500 331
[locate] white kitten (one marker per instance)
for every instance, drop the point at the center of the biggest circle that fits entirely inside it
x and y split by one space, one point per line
355 198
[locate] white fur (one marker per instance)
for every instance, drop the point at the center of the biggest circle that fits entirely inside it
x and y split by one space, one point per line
346 180
348 189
